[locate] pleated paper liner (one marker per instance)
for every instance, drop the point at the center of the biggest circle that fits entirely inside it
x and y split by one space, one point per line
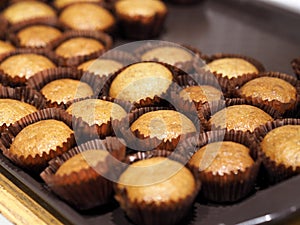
275 172
288 109
235 81
41 79
186 66
226 188
136 141
211 108
161 100
16 28
143 212
296 67
17 81
106 129
36 163
90 187
99 36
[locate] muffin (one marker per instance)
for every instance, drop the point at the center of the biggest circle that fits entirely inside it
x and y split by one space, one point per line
149 189
26 10
101 67
141 20
6 47
37 36
59 4
140 81
239 117
87 16
65 90
25 65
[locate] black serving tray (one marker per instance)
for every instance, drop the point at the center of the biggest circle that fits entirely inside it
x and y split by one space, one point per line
266 33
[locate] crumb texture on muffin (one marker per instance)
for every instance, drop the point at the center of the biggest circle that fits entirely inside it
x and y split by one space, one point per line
204 93
102 67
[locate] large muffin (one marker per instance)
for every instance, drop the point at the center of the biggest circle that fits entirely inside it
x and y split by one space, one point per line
203 93
102 67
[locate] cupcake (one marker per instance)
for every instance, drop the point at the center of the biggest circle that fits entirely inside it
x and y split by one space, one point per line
102 67
26 10
6 47
84 175
87 16
157 190
140 20
60 4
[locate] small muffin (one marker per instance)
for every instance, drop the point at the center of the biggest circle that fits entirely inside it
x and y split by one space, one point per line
12 110
26 10
79 46
65 90
25 65
102 67
148 190
63 3
87 16
96 111
163 124
239 117
6 47
40 137
231 67
37 36
204 93
141 19
141 80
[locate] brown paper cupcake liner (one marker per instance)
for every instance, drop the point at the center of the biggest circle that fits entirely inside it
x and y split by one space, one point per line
90 187
225 188
186 66
39 80
284 108
235 81
296 67
14 29
136 141
36 163
103 38
275 172
164 213
17 81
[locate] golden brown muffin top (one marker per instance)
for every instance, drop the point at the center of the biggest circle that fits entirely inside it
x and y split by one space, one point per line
141 80
146 8
78 47
96 111
240 117
203 93
163 124
84 160
25 10
232 67
40 137
170 55
222 158
282 145
25 65
13 110
269 88
64 90
6 47
102 67
38 35
158 180
62 3
87 16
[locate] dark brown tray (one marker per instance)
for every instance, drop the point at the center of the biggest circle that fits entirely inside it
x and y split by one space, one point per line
269 34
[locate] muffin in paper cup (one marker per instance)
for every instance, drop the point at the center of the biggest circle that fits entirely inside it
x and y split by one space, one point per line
35 33
39 137
164 194
156 127
21 64
250 66
64 84
86 45
278 90
280 159
238 114
226 162
84 176
296 67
